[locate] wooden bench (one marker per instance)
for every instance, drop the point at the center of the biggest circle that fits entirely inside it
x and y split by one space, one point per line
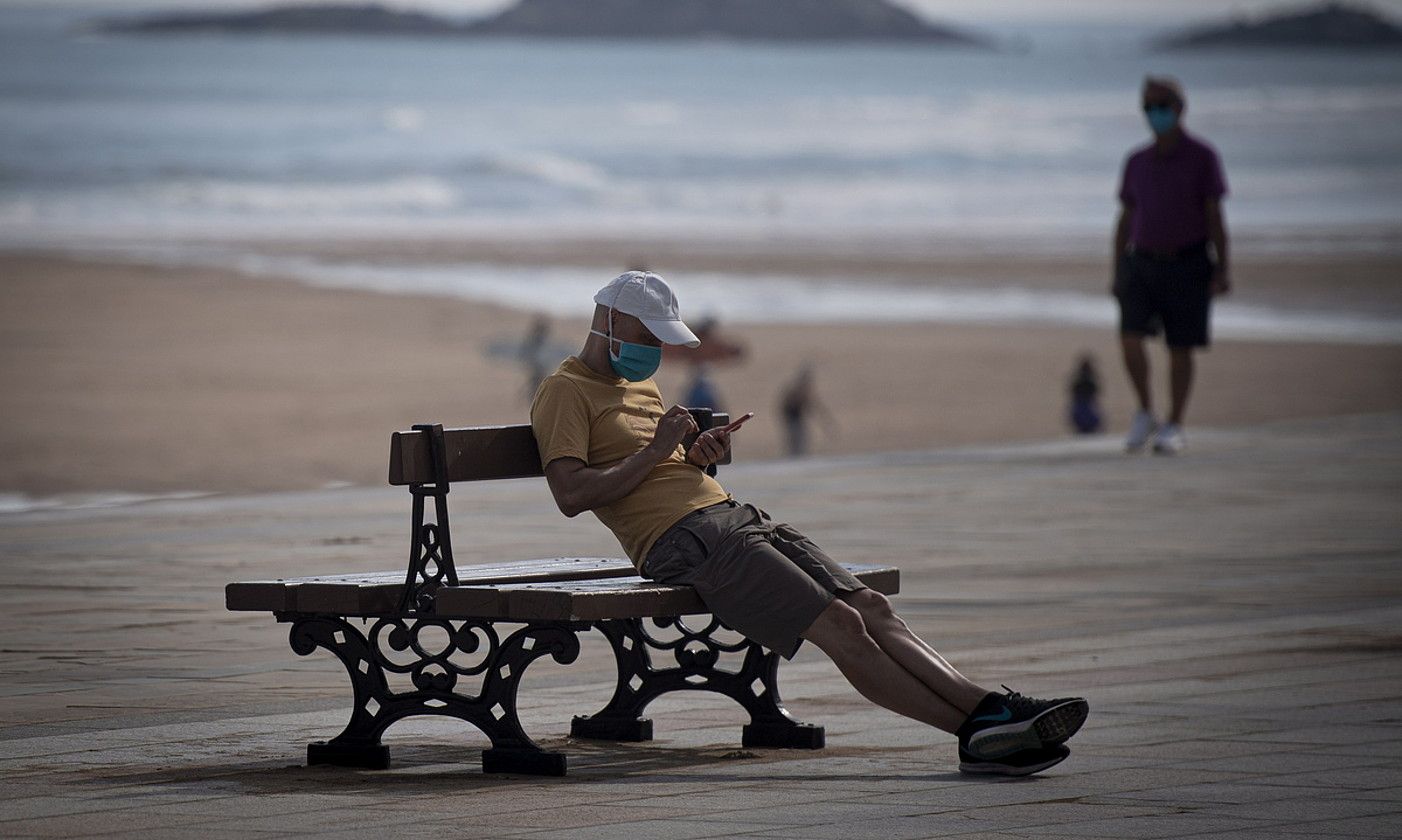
436 625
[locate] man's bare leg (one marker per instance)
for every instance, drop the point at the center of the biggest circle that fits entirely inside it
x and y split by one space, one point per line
1180 380
915 655
841 633
1137 366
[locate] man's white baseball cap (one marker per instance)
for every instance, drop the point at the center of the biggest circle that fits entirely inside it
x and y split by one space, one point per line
648 298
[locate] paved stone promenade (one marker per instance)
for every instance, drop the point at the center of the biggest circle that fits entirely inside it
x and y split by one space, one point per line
1234 616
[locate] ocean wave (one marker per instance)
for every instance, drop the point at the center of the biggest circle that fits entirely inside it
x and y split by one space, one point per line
407 193
1295 101
549 168
405 119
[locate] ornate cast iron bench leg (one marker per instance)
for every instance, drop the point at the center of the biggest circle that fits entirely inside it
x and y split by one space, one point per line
755 686
434 674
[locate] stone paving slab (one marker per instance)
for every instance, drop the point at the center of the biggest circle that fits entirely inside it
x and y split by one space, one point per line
1232 615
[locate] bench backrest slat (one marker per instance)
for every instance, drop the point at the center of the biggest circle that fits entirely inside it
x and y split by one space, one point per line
474 454
478 453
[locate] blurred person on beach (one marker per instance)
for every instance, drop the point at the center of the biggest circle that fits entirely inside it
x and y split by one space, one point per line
715 349
1084 410
701 391
608 445
533 350
1169 258
798 403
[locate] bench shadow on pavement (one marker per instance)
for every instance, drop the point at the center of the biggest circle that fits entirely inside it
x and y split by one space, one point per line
427 768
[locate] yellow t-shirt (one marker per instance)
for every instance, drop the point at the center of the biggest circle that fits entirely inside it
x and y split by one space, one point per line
601 420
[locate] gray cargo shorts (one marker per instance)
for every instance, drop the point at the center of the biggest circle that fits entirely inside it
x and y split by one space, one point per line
763 579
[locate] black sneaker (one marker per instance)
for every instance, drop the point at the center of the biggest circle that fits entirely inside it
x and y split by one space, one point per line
1003 725
1020 763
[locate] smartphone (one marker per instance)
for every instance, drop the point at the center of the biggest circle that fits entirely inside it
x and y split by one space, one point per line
735 424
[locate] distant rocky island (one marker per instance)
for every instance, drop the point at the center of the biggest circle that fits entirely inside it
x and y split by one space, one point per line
1331 25
777 20
770 20
331 19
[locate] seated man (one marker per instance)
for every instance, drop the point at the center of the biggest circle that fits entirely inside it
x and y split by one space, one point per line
608 446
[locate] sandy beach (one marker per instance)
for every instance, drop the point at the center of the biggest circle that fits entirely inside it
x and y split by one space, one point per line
134 378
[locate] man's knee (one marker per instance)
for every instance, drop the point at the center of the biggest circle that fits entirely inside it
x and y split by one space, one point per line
871 604
839 625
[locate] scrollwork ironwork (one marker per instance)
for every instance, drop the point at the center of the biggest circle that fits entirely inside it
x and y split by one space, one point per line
755 685
464 637
377 705
684 646
431 549
429 567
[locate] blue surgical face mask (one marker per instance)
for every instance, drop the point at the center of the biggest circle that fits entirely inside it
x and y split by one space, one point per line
633 362
1161 120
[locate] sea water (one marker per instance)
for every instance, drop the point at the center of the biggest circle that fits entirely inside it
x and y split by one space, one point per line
108 139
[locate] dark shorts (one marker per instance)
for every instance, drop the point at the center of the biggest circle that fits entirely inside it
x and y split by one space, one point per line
761 578
1172 293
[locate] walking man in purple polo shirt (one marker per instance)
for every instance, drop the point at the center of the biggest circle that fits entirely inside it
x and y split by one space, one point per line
1170 258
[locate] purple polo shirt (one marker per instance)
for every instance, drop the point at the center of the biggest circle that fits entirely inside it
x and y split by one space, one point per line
1166 194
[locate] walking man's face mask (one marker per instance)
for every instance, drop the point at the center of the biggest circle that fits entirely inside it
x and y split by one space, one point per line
1162 118
1161 110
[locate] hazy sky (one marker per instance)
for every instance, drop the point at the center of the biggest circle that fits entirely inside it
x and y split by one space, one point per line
954 11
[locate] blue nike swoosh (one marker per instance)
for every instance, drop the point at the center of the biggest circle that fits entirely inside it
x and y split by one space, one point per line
1006 714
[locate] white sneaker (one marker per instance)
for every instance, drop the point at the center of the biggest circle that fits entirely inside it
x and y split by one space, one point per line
1169 440
1140 430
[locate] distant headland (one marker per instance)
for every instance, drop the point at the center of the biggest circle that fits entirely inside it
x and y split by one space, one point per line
745 20
1329 25
329 19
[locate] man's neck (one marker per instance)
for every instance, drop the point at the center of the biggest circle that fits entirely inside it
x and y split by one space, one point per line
1166 143
595 356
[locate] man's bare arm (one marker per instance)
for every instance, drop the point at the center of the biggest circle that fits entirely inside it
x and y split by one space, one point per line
578 487
1217 234
1121 243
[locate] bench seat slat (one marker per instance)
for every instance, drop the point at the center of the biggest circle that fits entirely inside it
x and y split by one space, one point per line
507 595
581 601
596 600
376 592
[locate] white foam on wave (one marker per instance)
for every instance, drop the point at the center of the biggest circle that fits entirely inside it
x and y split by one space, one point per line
407 193
405 119
872 127
767 298
550 168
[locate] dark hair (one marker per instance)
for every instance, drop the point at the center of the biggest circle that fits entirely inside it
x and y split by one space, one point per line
1167 83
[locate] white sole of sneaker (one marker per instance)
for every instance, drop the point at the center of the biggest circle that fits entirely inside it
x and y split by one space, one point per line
1051 727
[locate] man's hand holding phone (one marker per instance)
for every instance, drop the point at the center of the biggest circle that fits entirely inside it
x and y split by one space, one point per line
672 429
710 445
